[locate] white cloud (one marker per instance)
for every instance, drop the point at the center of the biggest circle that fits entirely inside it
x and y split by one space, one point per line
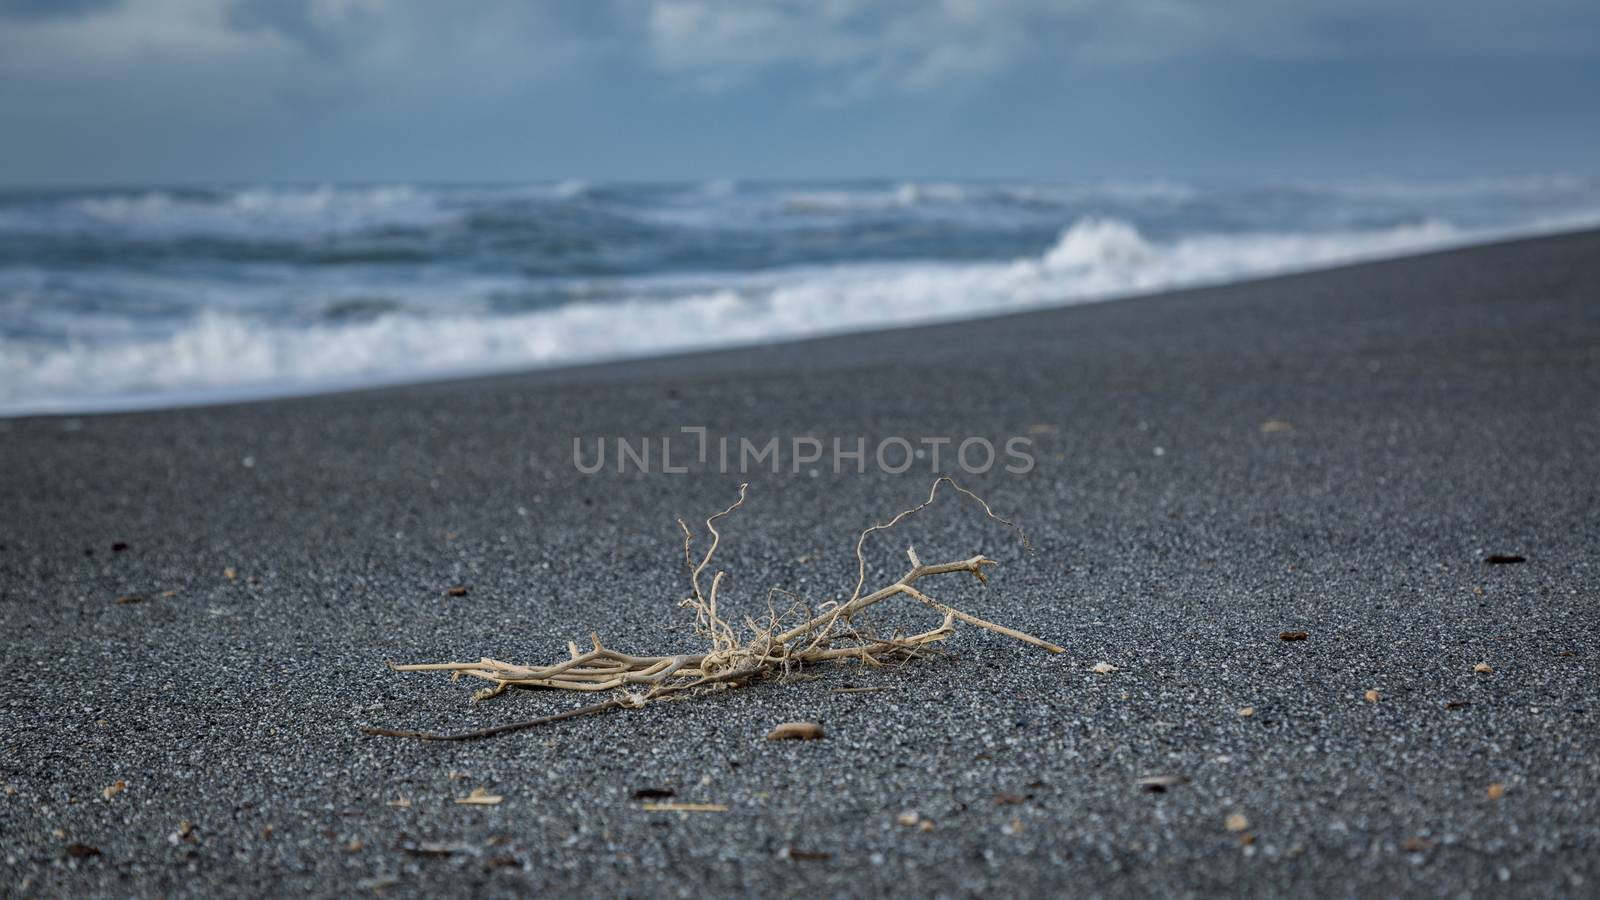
910 45
110 37
898 45
227 56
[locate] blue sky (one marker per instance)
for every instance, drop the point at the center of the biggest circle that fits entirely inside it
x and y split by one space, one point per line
123 91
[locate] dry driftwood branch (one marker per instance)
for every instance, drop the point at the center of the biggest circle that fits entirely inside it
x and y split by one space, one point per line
773 645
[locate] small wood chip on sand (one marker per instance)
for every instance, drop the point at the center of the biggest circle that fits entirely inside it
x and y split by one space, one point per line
796 731
1160 784
479 797
684 807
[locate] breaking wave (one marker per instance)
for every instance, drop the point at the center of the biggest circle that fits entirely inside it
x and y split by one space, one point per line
227 352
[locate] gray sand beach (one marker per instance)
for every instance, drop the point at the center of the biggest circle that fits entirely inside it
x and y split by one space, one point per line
1335 453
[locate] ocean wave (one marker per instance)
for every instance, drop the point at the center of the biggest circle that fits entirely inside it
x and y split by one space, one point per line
245 213
1521 187
905 195
321 210
232 353
984 204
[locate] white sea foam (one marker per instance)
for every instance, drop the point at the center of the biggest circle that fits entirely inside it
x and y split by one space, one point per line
251 211
240 213
228 353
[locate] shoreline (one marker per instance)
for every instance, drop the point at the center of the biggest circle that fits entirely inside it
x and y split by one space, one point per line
246 394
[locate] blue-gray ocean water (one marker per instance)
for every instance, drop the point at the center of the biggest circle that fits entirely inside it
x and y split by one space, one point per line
154 296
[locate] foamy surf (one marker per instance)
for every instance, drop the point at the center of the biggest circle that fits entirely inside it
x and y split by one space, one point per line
265 327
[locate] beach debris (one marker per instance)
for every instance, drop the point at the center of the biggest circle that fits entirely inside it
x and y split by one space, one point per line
1104 668
184 834
400 802
908 819
1372 695
459 590
129 599
1292 635
670 806
1276 426
1496 790
1483 668
1246 712
775 644
1005 799
80 850
852 689
1457 704
1160 784
797 855
1504 559
654 793
1417 844
1236 822
796 731
230 573
479 797
118 546
114 789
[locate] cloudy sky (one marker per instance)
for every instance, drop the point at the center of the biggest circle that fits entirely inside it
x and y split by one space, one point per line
114 91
